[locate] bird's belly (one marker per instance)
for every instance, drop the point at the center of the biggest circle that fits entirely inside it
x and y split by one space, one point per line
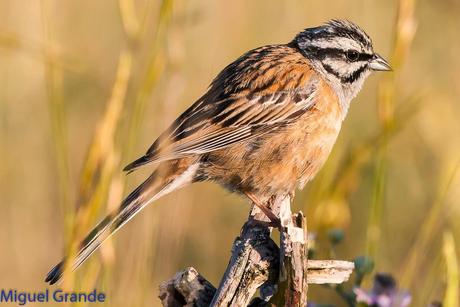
278 162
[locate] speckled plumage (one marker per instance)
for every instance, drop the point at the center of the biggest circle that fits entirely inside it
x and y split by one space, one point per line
279 160
265 126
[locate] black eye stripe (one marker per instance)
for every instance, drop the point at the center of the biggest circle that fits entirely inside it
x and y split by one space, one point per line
323 53
364 56
352 56
359 56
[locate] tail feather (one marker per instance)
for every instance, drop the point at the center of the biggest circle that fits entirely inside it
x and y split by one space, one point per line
150 190
131 167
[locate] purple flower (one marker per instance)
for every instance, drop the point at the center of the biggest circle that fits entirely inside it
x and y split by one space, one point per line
383 294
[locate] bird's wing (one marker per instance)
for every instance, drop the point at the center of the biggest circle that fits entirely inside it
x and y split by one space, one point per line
228 115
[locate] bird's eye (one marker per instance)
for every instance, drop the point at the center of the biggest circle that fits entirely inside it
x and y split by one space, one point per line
352 55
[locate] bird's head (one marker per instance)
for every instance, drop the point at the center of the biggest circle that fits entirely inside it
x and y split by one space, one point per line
342 52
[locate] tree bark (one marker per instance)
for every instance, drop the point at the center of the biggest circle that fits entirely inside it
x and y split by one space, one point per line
281 274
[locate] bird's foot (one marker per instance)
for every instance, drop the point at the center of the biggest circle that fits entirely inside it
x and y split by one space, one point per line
274 220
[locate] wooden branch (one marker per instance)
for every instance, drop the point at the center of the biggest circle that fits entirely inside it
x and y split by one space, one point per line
294 252
329 271
187 288
258 263
254 262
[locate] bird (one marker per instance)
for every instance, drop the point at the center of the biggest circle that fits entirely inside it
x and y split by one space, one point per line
264 127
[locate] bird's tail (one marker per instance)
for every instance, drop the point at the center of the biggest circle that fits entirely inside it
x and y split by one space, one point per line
156 186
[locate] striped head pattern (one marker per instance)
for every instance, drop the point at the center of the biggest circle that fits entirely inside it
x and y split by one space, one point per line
343 53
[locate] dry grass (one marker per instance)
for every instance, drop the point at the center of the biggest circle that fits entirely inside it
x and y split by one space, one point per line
86 86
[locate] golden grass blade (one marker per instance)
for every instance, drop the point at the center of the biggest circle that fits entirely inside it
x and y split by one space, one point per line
404 34
102 158
56 107
129 17
428 233
155 68
451 297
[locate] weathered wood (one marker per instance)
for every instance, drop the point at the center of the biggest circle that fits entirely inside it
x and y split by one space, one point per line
254 261
258 263
329 271
294 252
187 288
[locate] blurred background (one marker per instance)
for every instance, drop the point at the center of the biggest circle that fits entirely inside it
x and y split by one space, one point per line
86 86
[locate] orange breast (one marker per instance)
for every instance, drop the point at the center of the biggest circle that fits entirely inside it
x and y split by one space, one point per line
278 162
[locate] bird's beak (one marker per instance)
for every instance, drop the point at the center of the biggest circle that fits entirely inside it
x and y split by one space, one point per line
379 64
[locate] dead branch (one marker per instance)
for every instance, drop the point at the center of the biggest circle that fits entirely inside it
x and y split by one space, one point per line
281 274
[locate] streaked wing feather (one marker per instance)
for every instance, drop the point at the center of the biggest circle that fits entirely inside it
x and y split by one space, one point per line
237 108
249 125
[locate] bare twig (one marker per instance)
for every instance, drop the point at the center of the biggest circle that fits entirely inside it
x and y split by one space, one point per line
187 288
294 252
254 262
329 271
258 263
